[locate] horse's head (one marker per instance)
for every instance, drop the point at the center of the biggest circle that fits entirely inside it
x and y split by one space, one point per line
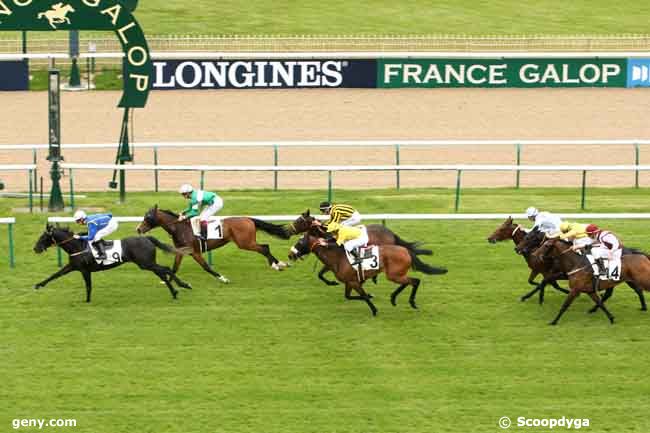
149 221
503 232
532 240
306 244
302 223
52 236
45 240
551 248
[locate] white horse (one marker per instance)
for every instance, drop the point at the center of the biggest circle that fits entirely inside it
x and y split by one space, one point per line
58 14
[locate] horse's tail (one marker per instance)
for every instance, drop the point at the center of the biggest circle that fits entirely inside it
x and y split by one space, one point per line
166 248
272 229
41 15
420 266
412 246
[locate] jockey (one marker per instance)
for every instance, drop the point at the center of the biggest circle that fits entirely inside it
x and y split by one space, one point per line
99 226
609 247
210 202
545 222
340 213
352 238
575 232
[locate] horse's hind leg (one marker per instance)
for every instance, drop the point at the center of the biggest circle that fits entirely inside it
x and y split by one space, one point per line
396 292
163 272
415 283
363 296
639 293
264 250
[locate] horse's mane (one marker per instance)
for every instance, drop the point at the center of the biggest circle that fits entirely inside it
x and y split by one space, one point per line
168 212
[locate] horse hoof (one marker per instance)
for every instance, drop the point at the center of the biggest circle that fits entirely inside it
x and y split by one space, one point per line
553 323
611 321
332 283
37 286
393 301
374 313
591 311
644 309
413 305
224 279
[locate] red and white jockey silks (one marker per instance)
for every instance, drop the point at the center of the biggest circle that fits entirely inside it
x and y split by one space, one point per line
610 248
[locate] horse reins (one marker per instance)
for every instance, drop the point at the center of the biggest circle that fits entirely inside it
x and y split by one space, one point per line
58 244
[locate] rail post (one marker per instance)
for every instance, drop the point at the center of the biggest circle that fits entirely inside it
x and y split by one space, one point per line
457 204
637 158
329 186
71 189
12 258
584 189
202 179
155 172
275 163
210 258
41 195
397 172
518 175
31 191
35 161
59 258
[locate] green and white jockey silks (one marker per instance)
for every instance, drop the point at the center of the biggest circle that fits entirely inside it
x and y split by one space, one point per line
203 204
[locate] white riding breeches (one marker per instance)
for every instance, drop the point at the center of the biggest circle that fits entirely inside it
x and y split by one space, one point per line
354 220
361 241
211 210
582 242
110 228
614 258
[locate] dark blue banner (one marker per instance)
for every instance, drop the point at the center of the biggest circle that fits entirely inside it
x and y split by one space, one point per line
14 75
264 74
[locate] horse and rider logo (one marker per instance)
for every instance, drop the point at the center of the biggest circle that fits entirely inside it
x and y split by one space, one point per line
57 15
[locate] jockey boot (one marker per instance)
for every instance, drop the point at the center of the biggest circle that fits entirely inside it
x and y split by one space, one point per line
204 230
101 251
356 253
601 268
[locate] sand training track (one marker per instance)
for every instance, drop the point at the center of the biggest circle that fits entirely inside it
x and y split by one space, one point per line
340 114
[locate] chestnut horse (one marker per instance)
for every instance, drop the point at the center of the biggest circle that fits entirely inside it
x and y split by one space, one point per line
394 260
377 235
510 230
241 230
635 270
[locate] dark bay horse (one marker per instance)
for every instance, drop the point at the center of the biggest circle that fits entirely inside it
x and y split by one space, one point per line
241 230
377 235
635 270
394 260
509 230
139 250
534 239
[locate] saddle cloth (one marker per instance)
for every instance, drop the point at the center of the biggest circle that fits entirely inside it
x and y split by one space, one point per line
370 257
215 227
113 253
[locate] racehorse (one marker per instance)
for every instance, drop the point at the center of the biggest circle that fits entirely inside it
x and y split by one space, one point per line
509 230
241 230
534 240
139 250
394 260
57 15
377 235
635 269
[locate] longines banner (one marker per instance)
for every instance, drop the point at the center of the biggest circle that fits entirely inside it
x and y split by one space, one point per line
597 72
264 74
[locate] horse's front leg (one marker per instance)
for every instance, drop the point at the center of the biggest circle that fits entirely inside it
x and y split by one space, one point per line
61 272
321 276
206 267
89 284
567 302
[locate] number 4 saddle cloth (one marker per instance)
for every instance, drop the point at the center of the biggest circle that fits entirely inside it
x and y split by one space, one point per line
370 256
215 227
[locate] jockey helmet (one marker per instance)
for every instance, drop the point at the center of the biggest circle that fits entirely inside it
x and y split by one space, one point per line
325 206
79 215
564 227
532 212
186 189
592 229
